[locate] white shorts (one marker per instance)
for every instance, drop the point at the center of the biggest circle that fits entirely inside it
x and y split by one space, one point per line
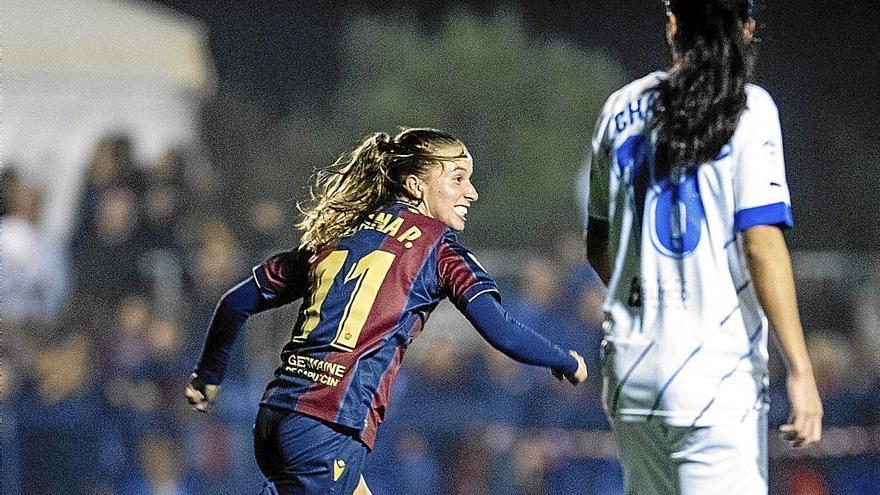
659 459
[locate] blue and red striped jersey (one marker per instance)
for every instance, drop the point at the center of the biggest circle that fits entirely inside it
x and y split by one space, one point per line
366 297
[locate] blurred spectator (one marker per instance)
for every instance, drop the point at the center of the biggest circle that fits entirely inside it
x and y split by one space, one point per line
144 359
569 249
832 356
418 466
60 422
111 165
208 453
471 466
106 260
442 388
558 404
217 262
834 363
270 229
214 264
540 283
34 285
126 345
504 387
10 448
539 303
166 199
160 468
530 464
164 341
168 204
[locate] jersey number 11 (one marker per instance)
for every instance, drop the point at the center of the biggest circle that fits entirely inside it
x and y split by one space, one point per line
368 273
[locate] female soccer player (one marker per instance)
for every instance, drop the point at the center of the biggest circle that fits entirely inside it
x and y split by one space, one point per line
378 254
688 200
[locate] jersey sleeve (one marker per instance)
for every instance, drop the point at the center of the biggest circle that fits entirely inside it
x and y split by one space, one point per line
760 189
599 167
514 339
283 277
461 276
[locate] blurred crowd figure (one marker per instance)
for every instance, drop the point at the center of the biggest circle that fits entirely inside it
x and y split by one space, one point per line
99 331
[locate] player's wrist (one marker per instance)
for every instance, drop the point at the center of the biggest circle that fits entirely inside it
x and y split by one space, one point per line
800 371
210 391
571 366
200 379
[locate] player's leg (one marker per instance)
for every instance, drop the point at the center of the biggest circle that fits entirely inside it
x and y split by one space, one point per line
730 457
362 488
301 455
644 456
265 447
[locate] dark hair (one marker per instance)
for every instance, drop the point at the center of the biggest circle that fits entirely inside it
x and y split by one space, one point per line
700 102
366 179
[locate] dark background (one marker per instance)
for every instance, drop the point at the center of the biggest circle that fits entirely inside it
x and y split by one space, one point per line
818 60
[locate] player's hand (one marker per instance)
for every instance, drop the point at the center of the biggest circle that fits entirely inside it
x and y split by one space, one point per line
579 375
200 394
804 425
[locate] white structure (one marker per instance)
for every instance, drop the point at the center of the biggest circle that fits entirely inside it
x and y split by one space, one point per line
74 71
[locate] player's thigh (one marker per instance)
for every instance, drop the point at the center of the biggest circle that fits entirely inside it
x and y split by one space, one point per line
266 450
644 457
302 455
362 488
725 459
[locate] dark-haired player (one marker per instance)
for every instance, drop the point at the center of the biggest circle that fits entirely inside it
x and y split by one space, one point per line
688 199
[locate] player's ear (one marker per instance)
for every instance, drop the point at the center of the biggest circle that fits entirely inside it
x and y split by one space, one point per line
412 184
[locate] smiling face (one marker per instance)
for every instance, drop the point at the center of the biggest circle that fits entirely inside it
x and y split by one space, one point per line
446 192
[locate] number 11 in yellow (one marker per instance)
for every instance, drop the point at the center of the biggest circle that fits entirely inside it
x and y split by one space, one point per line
368 273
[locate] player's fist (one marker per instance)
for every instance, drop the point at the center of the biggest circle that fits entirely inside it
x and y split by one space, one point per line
200 394
581 373
804 426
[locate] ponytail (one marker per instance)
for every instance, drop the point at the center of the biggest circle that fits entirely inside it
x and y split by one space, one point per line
699 104
365 180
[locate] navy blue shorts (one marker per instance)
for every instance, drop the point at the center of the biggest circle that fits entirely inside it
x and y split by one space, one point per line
301 455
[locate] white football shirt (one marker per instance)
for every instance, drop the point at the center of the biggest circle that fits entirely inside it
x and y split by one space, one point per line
686 340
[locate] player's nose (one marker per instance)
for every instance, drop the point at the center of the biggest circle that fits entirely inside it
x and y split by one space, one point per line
471 194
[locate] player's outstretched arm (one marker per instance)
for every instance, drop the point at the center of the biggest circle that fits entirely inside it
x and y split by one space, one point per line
520 342
770 267
230 315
